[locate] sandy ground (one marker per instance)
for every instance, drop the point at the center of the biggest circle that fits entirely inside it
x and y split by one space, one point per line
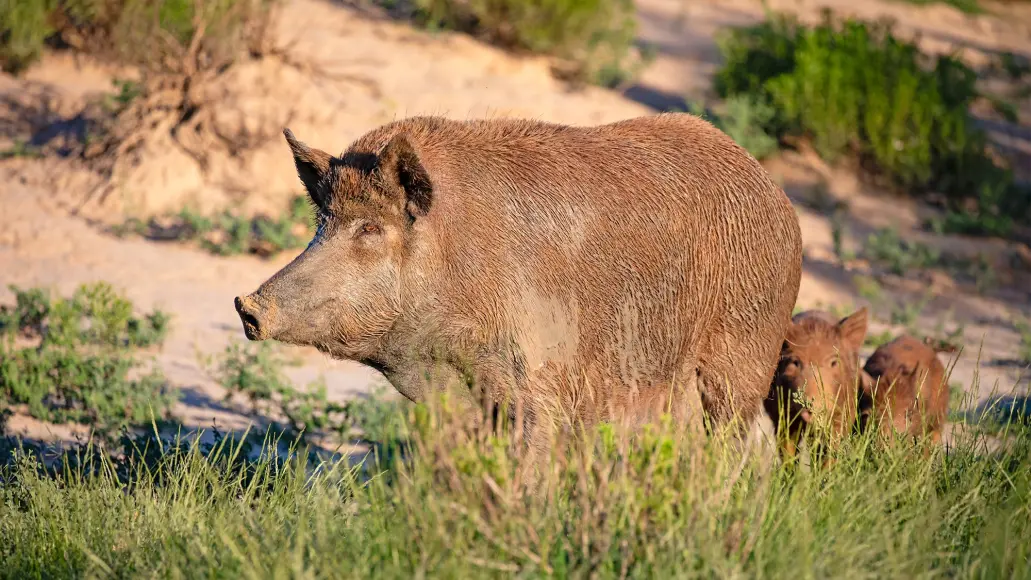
372 70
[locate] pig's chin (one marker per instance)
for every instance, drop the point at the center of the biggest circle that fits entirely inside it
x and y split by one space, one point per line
330 344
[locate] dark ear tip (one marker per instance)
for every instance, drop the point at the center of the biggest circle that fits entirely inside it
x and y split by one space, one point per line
290 139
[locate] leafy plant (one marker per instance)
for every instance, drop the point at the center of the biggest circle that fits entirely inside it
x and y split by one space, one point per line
1024 349
594 39
743 120
256 372
24 27
74 359
139 32
230 234
852 87
879 339
908 313
886 248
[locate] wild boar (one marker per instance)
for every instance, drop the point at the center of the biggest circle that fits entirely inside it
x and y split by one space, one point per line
905 389
576 273
817 377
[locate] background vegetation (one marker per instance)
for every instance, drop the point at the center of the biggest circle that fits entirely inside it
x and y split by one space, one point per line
156 34
853 88
75 359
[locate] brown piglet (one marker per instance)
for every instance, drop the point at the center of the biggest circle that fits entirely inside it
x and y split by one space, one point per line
905 389
817 376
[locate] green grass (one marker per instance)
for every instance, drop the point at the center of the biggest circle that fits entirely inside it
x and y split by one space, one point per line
77 358
646 507
228 233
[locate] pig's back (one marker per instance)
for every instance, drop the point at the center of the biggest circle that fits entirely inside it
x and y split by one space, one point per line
658 234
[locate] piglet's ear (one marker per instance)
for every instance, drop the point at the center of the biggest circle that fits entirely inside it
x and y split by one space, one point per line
867 383
401 167
853 329
312 166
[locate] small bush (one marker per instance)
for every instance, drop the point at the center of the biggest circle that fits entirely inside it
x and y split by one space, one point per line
228 233
854 88
24 27
594 38
256 372
965 6
1024 348
878 340
155 34
73 359
743 119
899 256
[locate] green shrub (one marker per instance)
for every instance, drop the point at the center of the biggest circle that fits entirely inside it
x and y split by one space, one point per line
887 249
853 88
24 27
229 234
74 359
1024 348
255 370
595 38
154 34
743 118
965 6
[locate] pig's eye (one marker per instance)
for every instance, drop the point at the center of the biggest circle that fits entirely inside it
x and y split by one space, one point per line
834 362
369 229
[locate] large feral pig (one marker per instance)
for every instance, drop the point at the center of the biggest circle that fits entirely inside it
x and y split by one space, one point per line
575 273
817 377
904 389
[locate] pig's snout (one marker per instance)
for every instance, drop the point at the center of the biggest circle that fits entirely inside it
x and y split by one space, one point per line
257 317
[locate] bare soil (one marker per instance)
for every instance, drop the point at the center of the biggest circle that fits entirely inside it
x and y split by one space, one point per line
347 70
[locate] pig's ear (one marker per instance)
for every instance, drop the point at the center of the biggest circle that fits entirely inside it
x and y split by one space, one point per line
401 167
853 329
312 166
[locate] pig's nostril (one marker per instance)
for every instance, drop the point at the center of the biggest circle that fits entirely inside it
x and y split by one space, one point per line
249 319
251 324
